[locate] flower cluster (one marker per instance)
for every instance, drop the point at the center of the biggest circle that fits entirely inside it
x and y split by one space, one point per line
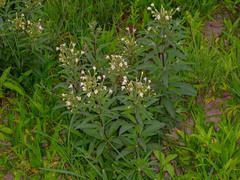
88 89
163 15
118 64
32 4
92 85
18 23
130 45
69 55
33 29
138 88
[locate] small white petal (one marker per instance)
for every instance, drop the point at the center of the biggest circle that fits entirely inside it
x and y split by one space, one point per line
79 98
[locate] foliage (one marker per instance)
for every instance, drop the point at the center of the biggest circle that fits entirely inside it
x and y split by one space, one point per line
89 89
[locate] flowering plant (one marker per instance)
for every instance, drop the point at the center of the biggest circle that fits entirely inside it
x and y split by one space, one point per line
118 101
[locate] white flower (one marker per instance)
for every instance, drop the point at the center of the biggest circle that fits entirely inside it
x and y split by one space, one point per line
73 44
167 17
149 81
99 77
22 15
82 72
84 88
110 91
57 48
145 78
134 30
68 103
76 60
107 57
81 84
131 89
28 22
149 8
148 87
63 45
88 94
96 91
127 28
178 9
141 94
125 63
113 67
63 95
124 82
122 39
158 17
125 77
123 87
152 4
40 27
104 76
72 50
105 87
79 98
94 68
120 64
82 52
70 86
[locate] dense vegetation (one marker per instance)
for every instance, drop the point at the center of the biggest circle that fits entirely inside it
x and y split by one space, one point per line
105 89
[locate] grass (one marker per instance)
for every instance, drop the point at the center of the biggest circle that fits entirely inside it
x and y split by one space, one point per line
42 139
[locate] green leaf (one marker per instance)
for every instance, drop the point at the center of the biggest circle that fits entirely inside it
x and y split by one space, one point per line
165 78
184 88
153 128
63 172
142 143
169 168
170 157
14 86
125 128
114 126
6 130
100 148
4 75
170 107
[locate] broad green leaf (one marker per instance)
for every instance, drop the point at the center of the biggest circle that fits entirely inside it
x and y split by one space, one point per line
114 126
142 143
169 168
13 86
125 128
169 106
4 75
170 157
6 130
153 128
100 148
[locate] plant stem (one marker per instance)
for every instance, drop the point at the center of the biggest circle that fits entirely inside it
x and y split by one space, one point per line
100 112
